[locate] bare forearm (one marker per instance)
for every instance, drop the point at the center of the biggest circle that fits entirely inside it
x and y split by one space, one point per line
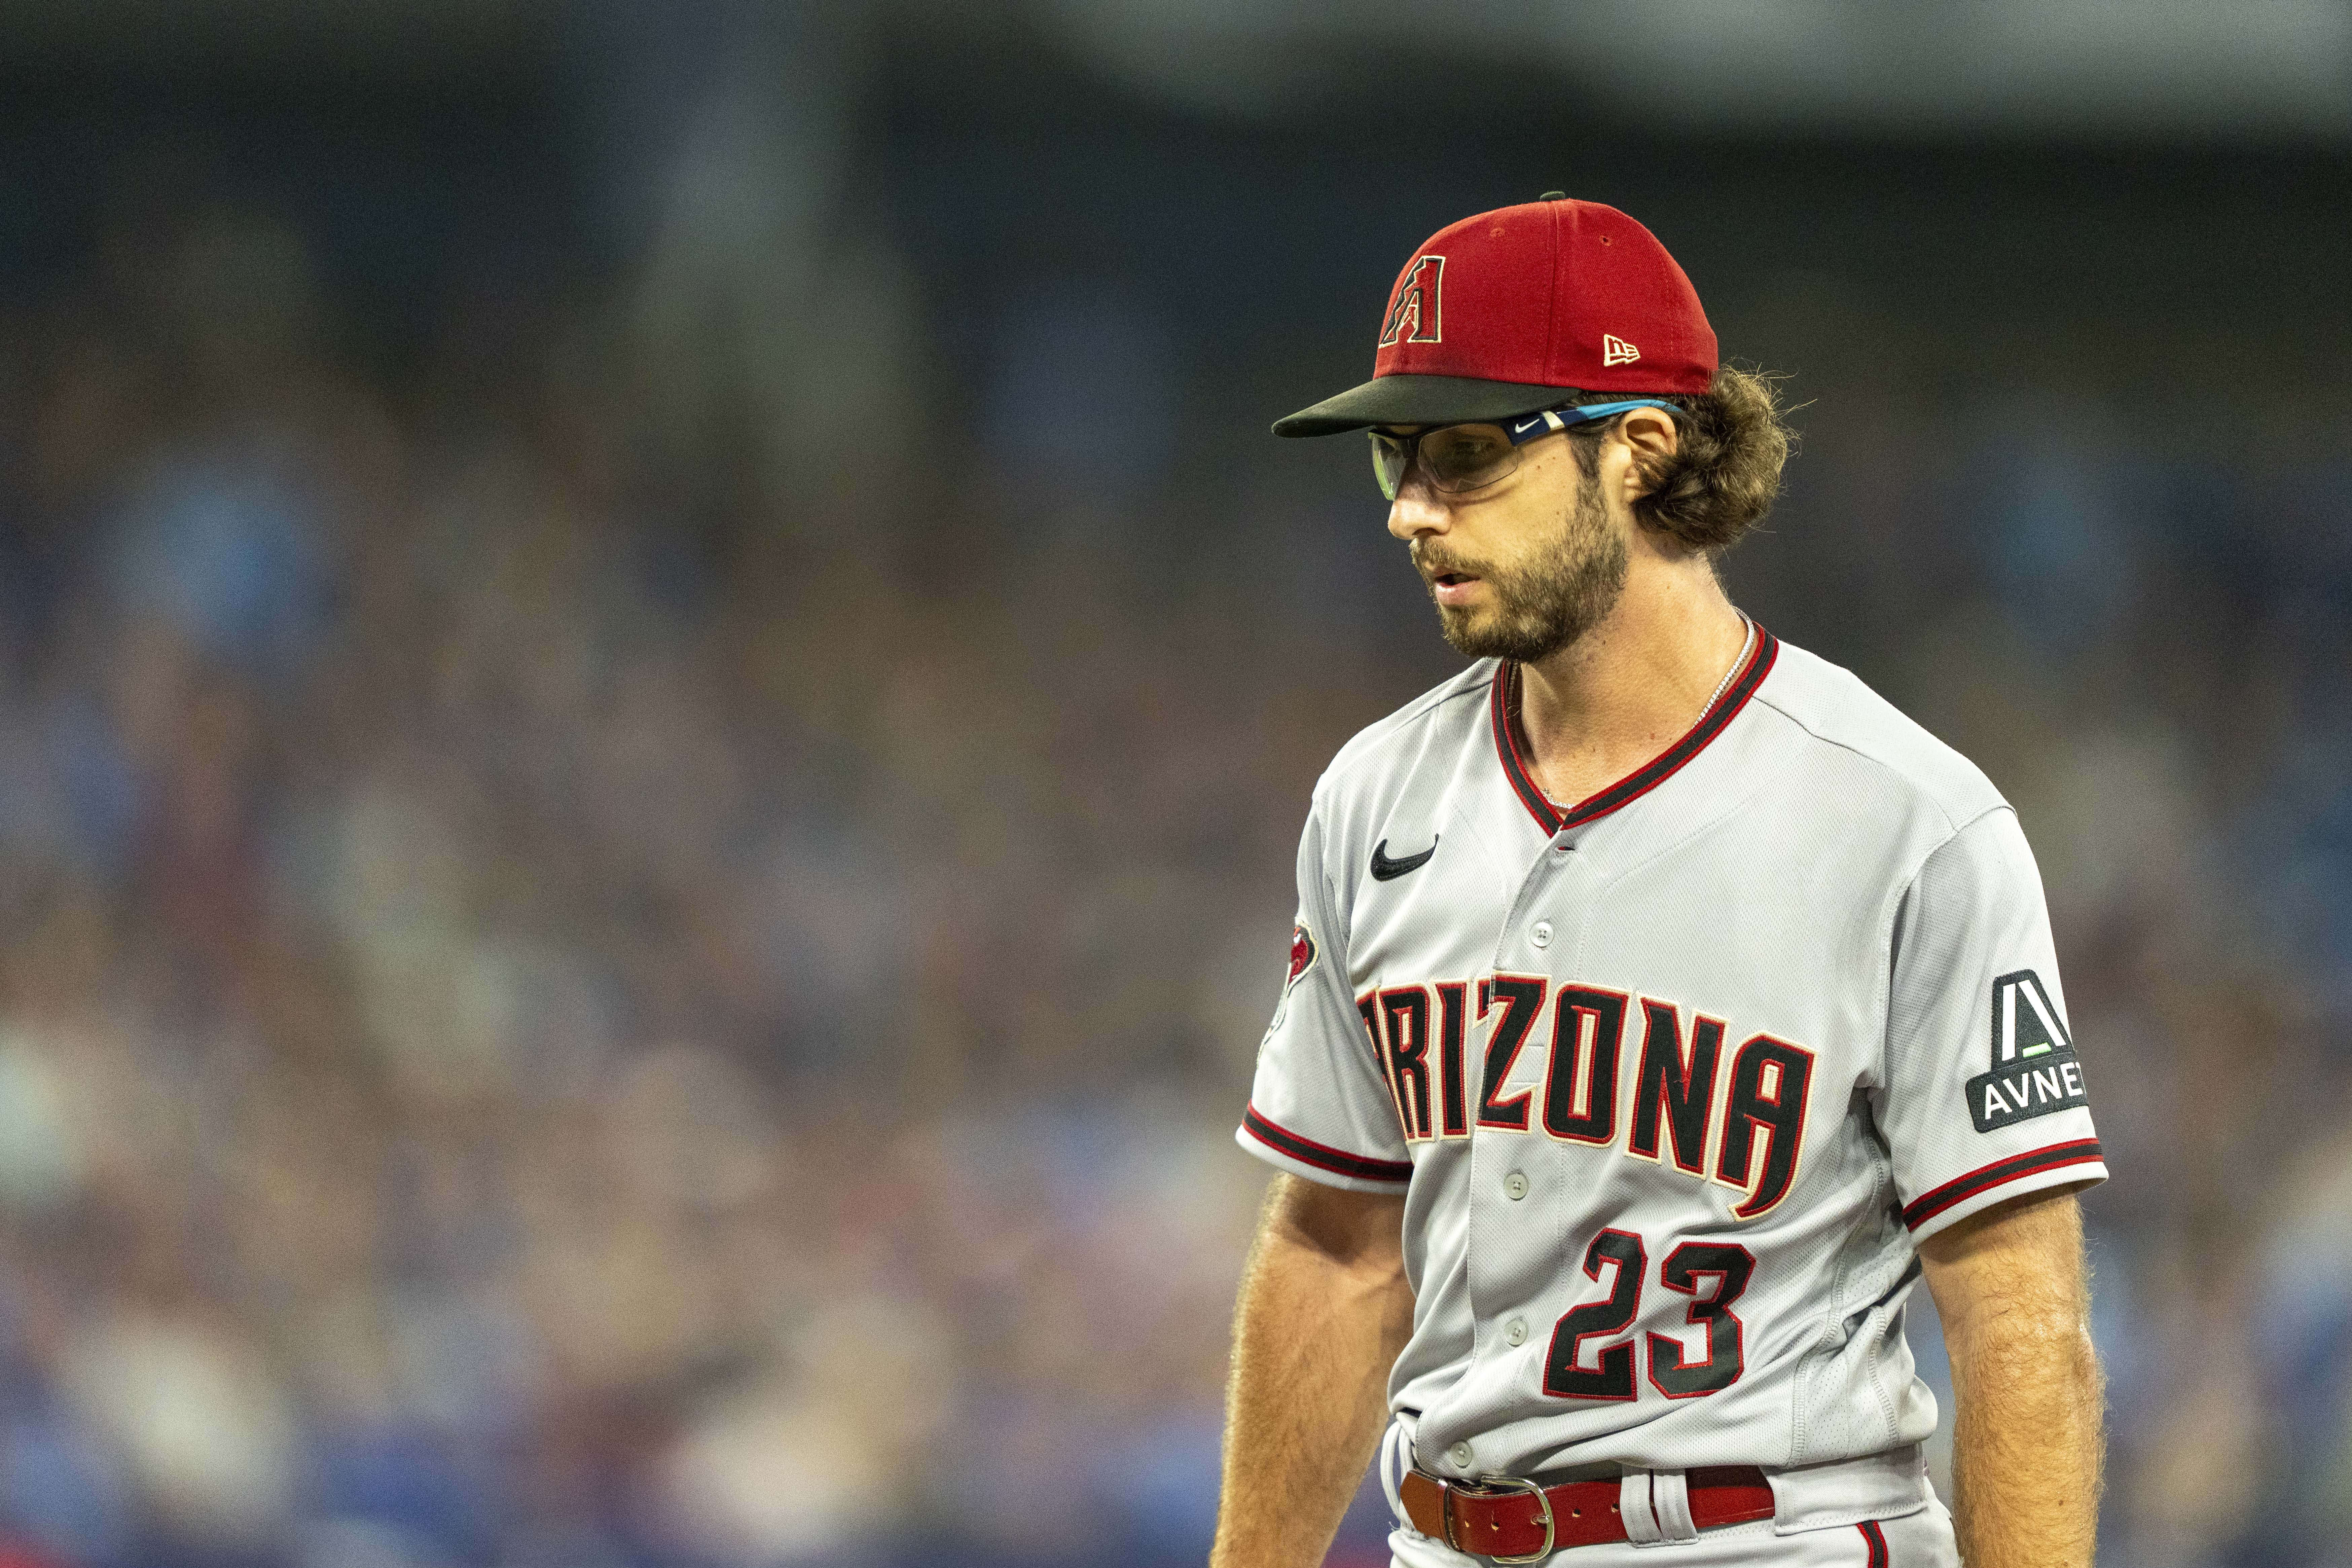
1314 1337
2015 1298
2027 1444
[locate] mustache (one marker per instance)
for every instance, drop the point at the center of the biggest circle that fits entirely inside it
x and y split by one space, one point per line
1432 565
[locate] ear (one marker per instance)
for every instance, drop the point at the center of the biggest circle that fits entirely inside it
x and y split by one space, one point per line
1650 436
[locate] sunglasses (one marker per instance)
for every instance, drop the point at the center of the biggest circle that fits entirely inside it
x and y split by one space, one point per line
1458 458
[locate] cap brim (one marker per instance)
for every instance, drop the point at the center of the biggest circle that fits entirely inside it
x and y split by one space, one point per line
1423 400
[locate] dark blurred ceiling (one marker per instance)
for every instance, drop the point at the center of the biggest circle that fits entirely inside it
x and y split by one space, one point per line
362 36
2026 183
2155 70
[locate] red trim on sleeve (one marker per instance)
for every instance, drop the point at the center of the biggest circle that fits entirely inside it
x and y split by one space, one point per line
1322 1156
2017 1167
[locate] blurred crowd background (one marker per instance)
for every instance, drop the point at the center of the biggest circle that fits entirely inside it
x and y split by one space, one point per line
656 682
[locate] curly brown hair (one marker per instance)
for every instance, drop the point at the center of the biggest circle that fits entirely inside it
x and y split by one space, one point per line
1725 472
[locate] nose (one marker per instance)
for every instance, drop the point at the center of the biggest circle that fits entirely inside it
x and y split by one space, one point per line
1417 512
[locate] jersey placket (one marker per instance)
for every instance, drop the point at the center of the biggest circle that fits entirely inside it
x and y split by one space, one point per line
1511 1171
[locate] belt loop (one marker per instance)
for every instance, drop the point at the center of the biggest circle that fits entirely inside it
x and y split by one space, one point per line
1396 1457
1633 1508
1670 1502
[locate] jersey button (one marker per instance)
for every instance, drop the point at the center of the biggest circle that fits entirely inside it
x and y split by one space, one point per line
1516 1331
1541 935
1515 1186
1460 1455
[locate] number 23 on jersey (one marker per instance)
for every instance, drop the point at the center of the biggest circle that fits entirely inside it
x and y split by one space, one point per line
1671 1369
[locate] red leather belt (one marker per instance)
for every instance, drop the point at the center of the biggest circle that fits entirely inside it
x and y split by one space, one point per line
1518 1521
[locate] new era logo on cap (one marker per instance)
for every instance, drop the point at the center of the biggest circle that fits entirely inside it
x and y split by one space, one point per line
1615 350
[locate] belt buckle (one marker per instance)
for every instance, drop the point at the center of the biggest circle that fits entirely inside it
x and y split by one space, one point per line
1510 1484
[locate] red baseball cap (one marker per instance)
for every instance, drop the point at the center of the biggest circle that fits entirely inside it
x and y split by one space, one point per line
1523 308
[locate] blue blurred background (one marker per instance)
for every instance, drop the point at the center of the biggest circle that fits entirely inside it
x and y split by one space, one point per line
656 682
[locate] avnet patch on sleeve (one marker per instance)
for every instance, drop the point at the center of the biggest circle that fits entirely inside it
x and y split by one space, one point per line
2035 1069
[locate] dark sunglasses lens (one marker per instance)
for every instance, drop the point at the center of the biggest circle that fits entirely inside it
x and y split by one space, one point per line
1466 457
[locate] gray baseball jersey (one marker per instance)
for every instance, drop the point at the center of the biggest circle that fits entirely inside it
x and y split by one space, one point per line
1674 1079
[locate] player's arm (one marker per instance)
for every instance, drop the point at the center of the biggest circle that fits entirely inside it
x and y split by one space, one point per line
2014 1294
1324 1308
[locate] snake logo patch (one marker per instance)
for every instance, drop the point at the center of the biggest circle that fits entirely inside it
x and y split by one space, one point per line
2035 1068
1302 959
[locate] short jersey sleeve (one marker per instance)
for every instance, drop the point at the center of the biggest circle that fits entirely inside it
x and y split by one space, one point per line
1318 1107
1984 1097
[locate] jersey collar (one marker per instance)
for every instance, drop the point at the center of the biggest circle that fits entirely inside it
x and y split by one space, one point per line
1503 707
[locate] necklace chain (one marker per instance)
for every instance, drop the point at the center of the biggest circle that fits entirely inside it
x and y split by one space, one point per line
1746 645
1725 684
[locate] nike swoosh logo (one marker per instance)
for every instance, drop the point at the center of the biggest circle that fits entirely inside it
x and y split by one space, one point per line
1524 426
1387 871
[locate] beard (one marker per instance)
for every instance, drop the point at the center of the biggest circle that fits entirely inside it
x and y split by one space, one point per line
1545 606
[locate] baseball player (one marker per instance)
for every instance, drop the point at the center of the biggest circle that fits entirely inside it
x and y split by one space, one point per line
1662 1005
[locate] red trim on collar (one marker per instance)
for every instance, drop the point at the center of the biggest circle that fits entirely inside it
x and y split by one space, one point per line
1501 706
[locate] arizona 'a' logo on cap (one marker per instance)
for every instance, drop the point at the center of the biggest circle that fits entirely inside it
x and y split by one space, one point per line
1421 298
